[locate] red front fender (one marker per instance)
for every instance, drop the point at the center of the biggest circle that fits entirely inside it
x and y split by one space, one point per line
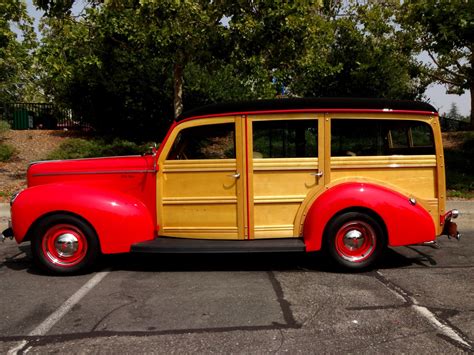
405 223
119 219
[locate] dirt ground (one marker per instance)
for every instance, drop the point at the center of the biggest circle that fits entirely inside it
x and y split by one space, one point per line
30 146
453 140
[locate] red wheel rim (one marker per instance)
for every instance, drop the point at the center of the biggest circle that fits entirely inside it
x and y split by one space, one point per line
356 241
64 245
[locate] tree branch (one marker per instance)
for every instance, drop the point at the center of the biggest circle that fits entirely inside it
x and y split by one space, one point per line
443 79
449 71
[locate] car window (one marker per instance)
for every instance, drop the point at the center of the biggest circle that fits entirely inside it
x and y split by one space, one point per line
285 139
216 141
358 137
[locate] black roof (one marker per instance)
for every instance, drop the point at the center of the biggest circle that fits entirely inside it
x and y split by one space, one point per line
307 103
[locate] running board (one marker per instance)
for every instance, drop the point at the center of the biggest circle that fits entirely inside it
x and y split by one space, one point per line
167 245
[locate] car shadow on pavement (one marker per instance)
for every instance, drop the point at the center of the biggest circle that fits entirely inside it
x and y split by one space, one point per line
315 261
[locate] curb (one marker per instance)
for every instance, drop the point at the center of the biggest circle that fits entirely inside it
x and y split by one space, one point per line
4 210
465 207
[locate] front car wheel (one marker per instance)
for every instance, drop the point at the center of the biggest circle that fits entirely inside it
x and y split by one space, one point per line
64 244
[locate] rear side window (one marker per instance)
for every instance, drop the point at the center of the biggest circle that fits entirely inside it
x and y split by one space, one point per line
355 137
285 139
215 141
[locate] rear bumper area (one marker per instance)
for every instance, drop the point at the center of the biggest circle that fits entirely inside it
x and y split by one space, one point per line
450 228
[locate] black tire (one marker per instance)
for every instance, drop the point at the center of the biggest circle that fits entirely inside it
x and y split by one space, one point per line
355 240
63 244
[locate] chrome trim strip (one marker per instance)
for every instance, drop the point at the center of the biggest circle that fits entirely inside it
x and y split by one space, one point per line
75 159
95 172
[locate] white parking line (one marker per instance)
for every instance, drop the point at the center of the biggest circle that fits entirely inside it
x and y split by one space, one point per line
56 316
427 314
20 345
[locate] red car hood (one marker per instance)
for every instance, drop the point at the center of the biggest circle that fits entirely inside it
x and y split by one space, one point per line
88 169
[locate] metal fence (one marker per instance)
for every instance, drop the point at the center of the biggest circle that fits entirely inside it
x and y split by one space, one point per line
40 116
51 116
450 125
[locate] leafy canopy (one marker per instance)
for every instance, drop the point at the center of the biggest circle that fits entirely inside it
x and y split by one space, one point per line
127 65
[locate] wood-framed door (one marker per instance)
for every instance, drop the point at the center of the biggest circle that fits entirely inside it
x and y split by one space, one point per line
285 159
200 181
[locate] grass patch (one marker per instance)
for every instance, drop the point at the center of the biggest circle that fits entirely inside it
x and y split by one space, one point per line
7 151
76 148
459 161
4 128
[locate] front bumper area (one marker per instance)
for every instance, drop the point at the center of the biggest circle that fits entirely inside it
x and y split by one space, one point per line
450 228
7 233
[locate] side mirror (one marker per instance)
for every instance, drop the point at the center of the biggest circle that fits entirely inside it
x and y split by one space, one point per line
153 149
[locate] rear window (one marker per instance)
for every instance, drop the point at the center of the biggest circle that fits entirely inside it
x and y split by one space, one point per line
358 137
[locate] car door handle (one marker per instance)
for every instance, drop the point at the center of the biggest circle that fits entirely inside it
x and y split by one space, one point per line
235 176
318 174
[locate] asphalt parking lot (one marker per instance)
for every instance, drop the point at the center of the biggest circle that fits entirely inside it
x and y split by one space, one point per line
419 300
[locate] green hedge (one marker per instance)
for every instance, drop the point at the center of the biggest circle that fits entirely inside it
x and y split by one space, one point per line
76 148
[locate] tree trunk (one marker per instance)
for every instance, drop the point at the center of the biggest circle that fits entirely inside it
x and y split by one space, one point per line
472 105
178 89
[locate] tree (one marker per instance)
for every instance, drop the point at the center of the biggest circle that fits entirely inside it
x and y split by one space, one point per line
260 42
271 38
101 66
181 31
445 29
365 54
119 72
115 68
453 113
128 64
15 53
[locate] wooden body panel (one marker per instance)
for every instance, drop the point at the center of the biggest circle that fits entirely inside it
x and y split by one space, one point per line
278 191
198 199
191 212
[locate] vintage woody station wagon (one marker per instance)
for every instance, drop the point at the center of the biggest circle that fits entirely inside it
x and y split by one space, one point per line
351 176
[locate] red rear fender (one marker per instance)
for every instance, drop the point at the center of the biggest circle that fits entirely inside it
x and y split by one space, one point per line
118 219
405 223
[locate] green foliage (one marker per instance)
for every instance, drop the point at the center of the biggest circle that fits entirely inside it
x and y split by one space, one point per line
122 63
16 74
101 67
460 166
76 148
453 113
6 152
445 30
365 55
4 128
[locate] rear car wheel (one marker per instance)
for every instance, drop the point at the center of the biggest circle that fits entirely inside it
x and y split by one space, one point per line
355 240
64 244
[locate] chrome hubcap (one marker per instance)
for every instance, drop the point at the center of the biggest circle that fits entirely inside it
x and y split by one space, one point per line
66 244
353 239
